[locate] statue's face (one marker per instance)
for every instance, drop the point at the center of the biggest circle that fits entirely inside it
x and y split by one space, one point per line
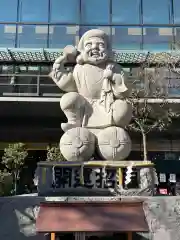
95 50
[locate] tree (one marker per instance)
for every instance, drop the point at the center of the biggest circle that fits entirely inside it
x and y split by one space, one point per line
54 154
13 159
151 110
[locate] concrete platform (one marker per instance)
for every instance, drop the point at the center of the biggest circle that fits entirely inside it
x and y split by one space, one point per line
18 215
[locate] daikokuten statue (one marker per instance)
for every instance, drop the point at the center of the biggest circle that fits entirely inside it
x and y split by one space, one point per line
95 99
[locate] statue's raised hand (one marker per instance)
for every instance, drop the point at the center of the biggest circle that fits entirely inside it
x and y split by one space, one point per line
62 72
70 53
69 56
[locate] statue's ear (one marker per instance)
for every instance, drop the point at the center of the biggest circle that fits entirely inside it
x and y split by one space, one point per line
110 55
50 75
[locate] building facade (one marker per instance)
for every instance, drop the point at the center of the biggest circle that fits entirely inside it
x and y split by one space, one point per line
34 32
132 25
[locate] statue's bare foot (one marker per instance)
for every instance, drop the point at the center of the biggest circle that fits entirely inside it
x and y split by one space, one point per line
66 126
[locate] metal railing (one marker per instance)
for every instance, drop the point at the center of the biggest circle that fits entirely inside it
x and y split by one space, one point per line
36 85
28 86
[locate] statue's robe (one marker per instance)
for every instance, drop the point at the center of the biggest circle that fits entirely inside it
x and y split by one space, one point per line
89 81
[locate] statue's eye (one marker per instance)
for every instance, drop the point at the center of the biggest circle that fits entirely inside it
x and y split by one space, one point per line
101 45
88 45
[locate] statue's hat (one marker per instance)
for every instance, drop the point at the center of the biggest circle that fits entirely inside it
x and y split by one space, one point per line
92 33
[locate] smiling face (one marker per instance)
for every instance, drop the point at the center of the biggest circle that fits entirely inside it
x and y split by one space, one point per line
95 50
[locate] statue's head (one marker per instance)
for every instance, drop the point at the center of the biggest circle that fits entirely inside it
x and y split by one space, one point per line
94 47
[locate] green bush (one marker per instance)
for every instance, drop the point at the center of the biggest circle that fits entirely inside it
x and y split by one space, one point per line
6 183
54 154
13 160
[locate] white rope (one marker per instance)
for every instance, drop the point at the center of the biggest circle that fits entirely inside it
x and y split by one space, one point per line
53 177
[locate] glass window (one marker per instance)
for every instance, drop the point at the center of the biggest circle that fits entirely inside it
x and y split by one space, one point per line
7 69
156 11
95 11
21 86
8 10
5 80
45 70
67 11
60 36
48 88
157 39
26 80
176 11
33 11
25 85
177 39
126 38
135 155
7 35
173 84
125 11
30 36
34 70
5 86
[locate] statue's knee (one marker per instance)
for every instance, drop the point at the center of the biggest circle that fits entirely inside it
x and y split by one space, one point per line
122 113
69 100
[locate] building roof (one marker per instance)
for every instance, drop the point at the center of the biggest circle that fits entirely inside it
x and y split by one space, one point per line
91 217
23 55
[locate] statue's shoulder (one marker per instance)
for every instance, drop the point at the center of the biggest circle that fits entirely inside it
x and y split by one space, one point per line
78 67
77 70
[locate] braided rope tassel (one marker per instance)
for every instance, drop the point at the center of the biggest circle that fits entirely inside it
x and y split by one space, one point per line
104 175
82 173
53 177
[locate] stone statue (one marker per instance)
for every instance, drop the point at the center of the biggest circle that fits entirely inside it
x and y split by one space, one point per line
96 90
